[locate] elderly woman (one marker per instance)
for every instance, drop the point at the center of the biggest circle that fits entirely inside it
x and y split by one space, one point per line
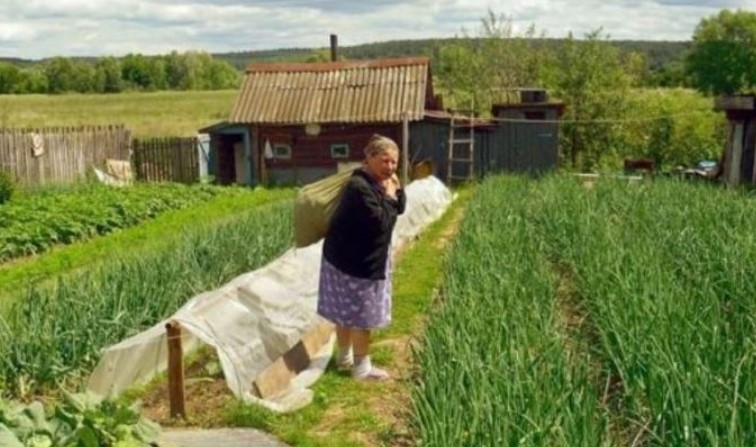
355 278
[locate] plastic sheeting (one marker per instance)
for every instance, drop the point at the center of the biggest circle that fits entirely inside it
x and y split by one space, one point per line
256 318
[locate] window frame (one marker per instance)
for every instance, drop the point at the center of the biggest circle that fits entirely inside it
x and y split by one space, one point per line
277 155
335 146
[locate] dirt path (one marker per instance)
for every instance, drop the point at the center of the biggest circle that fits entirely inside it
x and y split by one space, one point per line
239 437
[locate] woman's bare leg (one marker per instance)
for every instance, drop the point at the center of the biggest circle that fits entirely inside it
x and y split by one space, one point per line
344 358
363 367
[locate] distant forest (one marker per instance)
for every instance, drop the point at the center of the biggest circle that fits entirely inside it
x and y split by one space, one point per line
204 71
658 53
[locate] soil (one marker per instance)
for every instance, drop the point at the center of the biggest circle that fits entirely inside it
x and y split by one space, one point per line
206 397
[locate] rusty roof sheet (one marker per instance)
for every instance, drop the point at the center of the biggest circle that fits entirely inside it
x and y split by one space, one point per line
333 92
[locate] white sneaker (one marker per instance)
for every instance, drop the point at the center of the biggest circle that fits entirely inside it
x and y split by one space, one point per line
372 374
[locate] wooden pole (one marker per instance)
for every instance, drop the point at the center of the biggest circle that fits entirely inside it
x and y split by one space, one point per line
405 148
175 370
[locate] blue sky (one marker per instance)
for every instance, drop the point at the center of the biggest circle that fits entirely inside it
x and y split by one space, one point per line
35 29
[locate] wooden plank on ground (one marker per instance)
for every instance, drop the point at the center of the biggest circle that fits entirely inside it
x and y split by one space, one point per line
276 378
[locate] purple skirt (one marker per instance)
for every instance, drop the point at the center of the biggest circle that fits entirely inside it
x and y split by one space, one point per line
354 302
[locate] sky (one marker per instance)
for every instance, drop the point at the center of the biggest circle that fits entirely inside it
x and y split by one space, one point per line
34 29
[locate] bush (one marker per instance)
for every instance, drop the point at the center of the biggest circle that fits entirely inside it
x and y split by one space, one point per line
7 185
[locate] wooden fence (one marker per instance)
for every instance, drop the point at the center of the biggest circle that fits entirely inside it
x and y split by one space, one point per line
166 160
60 154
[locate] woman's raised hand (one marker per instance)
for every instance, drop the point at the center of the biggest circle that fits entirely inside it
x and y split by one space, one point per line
391 185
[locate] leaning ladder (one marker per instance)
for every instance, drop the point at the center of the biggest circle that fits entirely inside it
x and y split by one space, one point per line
461 150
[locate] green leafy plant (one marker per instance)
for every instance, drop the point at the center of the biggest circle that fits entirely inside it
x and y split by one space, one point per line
7 186
38 221
81 420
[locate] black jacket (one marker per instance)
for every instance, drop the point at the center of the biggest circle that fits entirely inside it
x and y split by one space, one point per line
359 234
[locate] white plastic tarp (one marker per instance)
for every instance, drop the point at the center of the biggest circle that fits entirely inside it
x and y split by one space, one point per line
256 318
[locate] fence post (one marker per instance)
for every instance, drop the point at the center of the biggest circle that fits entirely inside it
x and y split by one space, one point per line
135 159
175 370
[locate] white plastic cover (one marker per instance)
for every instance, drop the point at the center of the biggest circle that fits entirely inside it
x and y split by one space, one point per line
256 318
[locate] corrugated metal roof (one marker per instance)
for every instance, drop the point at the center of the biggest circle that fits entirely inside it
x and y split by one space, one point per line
333 92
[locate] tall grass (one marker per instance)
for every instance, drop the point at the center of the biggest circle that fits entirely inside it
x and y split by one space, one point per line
53 335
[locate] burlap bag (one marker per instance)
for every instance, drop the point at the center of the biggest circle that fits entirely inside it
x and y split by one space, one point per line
314 206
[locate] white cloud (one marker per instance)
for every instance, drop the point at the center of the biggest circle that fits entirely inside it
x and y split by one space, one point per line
43 28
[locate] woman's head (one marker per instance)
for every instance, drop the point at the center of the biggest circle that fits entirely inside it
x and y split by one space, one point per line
381 157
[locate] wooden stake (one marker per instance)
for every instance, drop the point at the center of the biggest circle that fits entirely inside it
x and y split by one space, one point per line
175 370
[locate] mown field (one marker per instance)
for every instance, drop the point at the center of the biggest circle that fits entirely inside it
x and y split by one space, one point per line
145 114
618 315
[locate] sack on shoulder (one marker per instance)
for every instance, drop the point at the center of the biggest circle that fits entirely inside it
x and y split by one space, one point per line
314 207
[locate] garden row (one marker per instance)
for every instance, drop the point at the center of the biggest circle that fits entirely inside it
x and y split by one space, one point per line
52 335
618 315
35 222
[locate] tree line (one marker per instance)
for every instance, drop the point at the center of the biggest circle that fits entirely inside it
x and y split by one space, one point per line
610 111
134 72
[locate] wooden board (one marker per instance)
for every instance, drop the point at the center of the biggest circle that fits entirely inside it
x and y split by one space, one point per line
735 103
277 378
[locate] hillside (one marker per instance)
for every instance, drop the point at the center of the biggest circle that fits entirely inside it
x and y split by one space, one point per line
659 53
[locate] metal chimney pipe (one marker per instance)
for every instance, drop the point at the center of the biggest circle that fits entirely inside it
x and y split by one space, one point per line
334 47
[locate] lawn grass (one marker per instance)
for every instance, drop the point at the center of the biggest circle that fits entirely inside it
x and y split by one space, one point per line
151 235
350 413
153 114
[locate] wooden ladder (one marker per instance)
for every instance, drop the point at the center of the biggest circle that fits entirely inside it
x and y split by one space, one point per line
461 150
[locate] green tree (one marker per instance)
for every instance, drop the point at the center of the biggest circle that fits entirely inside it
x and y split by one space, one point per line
60 74
482 71
175 70
222 75
108 75
32 80
461 76
595 85
319 55
723 57
143 73
84 77
673 74
10 76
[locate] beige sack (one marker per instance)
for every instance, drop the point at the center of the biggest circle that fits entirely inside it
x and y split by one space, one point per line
314 206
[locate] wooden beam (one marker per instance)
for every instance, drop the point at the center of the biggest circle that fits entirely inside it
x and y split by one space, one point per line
735 103
733 175
175 370
405 148
276 378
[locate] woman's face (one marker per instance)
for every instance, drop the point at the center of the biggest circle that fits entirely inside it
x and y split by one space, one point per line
382 165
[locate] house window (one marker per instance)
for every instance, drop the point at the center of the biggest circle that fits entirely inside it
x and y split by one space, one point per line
339 151
281 151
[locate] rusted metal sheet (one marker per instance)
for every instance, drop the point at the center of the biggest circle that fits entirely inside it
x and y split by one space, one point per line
334 92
